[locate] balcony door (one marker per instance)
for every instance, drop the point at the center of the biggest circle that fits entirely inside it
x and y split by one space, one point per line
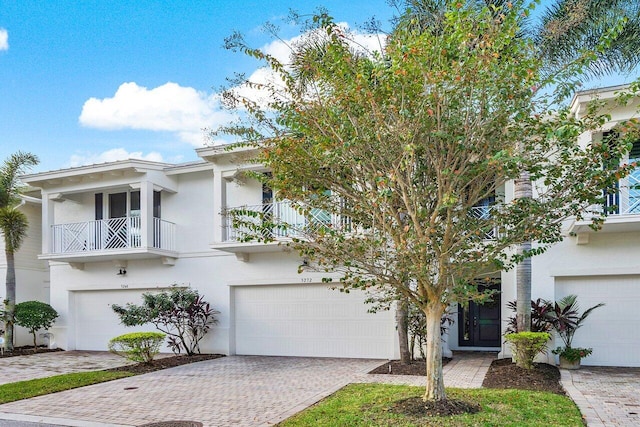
121 229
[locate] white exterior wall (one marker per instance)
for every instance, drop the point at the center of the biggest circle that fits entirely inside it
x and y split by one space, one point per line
32 278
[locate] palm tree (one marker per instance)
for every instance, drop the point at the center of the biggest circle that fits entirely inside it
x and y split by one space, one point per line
13 226
568 32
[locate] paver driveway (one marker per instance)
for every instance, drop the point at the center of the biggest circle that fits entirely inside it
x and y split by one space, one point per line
41 365
230 391
606 396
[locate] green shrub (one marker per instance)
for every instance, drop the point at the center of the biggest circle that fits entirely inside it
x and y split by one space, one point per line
137 346
525 346
35 315
180 313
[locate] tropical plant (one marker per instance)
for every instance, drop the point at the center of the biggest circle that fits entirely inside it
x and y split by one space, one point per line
417 328
406 143
35 315
539 320
139 347
13 226
572 354
566 319
526 345
181 313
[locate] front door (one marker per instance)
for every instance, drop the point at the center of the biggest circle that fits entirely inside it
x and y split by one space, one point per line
479 324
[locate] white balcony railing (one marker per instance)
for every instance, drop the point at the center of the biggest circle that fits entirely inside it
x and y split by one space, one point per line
106 234
626 200
484 213
299 225
296 224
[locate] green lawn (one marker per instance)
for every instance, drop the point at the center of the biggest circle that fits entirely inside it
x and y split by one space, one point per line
369 405
32 388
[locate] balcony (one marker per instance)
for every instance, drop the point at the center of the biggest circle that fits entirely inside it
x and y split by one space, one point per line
298 225
110 239
622 208
294 225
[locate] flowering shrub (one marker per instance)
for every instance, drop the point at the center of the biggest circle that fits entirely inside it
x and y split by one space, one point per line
572 354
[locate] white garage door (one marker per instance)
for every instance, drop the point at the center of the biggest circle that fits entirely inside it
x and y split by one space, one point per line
96 323
613 331
309 320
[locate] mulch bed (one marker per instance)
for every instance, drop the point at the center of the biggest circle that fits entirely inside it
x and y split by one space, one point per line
505 374
27 350
417 367
416 407
164 363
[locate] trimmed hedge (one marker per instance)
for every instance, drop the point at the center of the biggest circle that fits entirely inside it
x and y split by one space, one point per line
137 346
526 345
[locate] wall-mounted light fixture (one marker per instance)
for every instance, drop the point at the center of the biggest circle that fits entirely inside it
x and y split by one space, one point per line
122 271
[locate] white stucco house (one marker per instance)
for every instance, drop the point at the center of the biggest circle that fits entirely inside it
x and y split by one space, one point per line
115 230
32 274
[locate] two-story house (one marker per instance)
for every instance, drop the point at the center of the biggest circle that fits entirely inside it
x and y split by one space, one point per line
113 231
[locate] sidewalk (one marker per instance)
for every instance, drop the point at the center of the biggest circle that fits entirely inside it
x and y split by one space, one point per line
466 370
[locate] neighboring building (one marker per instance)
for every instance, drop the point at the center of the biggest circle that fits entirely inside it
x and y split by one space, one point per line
115 230
32 274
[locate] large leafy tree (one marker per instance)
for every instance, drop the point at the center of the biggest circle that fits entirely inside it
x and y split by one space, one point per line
404 145
13 226
602 35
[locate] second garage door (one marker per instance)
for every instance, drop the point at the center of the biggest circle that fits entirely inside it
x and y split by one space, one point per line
309 320
613 330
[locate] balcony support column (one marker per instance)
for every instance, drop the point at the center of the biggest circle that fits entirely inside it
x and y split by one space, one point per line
219 205
146 214
47 222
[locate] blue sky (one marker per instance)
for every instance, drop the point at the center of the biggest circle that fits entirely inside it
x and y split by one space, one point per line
92 81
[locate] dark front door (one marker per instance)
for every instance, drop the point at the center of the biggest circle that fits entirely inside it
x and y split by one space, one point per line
479 324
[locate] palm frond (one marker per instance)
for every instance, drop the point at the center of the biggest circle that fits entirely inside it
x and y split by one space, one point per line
571 29
13 226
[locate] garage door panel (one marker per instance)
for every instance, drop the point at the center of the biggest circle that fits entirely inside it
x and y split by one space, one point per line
612 330
96 323
309 320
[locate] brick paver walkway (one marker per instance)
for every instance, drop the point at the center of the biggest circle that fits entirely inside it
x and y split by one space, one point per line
466 370
606 396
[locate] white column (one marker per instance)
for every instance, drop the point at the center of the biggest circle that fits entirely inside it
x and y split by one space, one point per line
219 204
146 214
47 222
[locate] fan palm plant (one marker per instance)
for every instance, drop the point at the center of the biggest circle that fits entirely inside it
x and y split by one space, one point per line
13 226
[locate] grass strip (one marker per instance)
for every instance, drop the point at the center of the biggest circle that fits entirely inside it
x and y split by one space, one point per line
41 386
372 405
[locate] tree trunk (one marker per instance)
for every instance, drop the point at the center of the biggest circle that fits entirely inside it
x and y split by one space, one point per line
435 382
10 301
523 291
402 322
523 189
35 344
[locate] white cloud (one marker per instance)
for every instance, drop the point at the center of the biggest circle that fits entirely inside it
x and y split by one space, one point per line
112 156
4 39
282 49
170 107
